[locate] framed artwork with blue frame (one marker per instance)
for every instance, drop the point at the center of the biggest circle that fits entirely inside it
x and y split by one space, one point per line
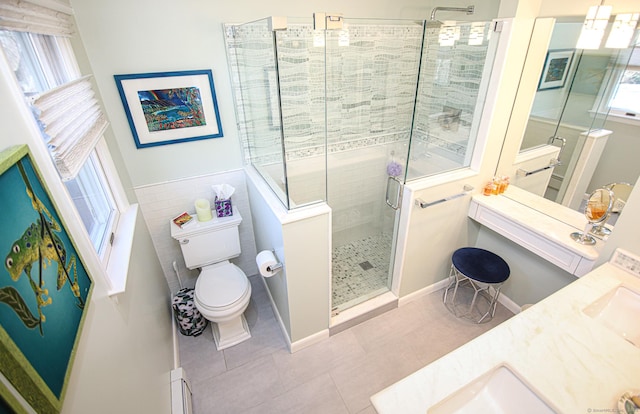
170 107
44 290
556 69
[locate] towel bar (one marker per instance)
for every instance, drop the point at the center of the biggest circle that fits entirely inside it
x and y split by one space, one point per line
525 173
423 204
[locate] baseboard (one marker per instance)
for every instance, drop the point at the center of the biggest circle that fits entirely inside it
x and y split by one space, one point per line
509 304
285 334
503 299
308 341
423 292
174 334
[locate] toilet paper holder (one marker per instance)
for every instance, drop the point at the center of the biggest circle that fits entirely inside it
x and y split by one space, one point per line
268 263
275 267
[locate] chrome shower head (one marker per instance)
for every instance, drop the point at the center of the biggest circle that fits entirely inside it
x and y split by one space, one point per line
433 23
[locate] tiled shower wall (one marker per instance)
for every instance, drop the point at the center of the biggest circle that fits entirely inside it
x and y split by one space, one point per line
356 192
367 79
364 105
161 202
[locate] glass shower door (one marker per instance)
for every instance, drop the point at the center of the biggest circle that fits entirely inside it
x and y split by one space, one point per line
371 76
253 48
300 75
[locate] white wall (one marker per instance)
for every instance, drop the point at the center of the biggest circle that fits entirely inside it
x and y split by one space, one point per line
301 240
532 278
619 160
124 355
267 213
433 234
308 270
126 352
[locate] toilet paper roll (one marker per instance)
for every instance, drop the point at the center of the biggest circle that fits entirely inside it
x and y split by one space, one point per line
266 262
203 209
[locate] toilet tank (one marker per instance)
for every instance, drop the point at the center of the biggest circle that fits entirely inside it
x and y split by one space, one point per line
205 243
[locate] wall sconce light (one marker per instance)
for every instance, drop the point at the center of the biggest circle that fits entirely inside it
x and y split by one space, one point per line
594 27
622 30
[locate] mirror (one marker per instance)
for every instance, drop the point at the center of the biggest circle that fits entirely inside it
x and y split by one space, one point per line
621 192
568 89
597 210
570 86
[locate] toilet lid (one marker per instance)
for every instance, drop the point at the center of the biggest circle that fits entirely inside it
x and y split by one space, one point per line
221 285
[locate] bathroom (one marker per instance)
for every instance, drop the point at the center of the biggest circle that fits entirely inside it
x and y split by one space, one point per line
173 176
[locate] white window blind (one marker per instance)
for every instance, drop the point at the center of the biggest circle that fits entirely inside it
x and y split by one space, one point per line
69 115
50 17
73 122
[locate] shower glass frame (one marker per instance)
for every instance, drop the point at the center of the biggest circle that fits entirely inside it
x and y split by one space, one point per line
450 98
256 69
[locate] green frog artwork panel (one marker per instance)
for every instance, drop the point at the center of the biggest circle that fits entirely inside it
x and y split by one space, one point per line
44 289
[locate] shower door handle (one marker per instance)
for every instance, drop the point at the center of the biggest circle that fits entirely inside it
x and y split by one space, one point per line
398 193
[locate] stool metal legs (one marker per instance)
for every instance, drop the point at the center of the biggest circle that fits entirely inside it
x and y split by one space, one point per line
456 280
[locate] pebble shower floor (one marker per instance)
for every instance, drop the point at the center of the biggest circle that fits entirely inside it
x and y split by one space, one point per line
360 271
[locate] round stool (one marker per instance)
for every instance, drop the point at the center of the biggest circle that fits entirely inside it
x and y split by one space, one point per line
475 273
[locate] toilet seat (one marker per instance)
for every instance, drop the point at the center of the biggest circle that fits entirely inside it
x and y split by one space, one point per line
221 286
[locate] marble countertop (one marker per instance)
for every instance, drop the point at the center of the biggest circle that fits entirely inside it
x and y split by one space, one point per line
574 363
535 213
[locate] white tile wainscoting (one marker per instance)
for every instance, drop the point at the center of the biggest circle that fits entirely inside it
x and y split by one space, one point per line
161 202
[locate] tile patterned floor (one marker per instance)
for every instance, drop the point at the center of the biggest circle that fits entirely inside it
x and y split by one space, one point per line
337 375
360 270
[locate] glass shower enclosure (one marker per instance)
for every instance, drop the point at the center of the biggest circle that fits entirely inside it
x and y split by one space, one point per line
347 116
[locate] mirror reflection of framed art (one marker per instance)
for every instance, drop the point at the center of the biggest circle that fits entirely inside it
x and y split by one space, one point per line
556 69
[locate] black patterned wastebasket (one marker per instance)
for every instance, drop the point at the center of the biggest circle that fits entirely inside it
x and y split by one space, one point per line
190 320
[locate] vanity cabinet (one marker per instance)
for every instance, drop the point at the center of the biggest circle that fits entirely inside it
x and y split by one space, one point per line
537 231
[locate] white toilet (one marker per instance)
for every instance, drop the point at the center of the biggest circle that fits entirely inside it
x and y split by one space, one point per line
222 291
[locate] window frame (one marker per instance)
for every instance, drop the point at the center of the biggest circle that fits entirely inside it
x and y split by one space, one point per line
114 258
104 248
608 90
620 75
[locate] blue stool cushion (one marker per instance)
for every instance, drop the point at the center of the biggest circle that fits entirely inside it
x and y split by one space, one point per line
481 265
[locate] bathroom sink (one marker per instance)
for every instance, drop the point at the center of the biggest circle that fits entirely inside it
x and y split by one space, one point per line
618 310
498 391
